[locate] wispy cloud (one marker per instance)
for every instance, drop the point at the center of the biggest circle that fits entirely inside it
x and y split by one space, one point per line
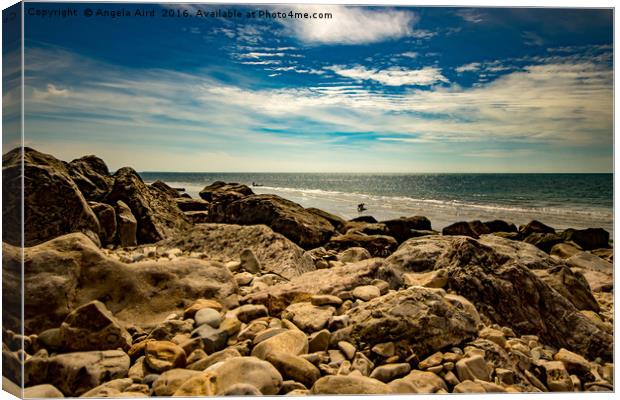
471 15
393 76
471 67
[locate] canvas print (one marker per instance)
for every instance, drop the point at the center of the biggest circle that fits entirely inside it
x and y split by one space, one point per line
219 199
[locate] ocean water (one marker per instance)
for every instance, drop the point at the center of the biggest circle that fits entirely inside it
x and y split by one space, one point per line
559 200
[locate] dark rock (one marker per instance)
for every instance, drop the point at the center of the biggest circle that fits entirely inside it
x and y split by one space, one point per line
403 228
570 284
222 192
366 228
157 215
472 229
283 216
53 204
192 204
497 225
92 177
377 245
223 242
544 241
165 188
127 225
534 227
198 217
365 218
587 239
213 339
107 221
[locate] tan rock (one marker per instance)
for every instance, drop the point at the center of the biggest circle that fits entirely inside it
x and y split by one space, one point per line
248 370
469 387
474 367
431 361
367 292
170 381
308 317
200 304
574 363
294 367
419 382
558 379
388 372
161 356
432 279
293 342
349 384
198 385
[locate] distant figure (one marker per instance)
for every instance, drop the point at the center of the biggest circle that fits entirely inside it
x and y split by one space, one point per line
361 208
256 184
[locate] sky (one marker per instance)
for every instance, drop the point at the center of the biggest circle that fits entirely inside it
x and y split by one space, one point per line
371 89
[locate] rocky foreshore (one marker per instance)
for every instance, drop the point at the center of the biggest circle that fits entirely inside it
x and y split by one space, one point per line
138 290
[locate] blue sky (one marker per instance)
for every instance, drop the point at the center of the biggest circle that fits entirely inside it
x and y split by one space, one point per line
373 89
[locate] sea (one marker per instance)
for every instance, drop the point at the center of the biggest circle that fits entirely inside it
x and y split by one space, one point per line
559 200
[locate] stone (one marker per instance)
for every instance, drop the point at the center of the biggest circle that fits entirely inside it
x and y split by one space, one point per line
349 384
534 227
385 350
564 250
230 325
294 367
213 339
362 364
200 304
266 334
241 389
367 292
498 225
52 204
574 363
347 349
431 279
112 388
544 241
308 317
76 373
431 361
244 278
203 384
471 368
249 312
558 379
138 370
304 228
469 387
208 316
42 391
376 245
222 192
354 254
107 221
337 222
319 341
292 342
248 370
494 335
473 229
170 381
249 262
214 358
157 215
162 356
91 175
127 225
419 382
426 319
589 262
505 376
404 228
170 328
570 284
325 300
192 205
388 372
587 239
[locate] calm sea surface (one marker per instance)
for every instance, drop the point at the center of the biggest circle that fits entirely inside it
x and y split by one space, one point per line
559 200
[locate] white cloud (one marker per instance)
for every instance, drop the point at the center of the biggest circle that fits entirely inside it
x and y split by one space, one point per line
350 25
471 15
410 54
471 67
394 76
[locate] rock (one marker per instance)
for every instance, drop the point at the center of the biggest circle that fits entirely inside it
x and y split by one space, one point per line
419 382
570 284
294 367
292 342
52 204
389 372
76 373
170 381
325 300
402 228
42 391
214 358
399 315
377 245
199 304
366 293
127 225
574 363
191 205
431 361
494 335
283 216
308 317
107 221
213 339
431 279
492 273
473 229
587 239
92 327
472 368
330 281
170 328
369 219
337 222
208 316
197 217
366 229
70 271
166 189
109 389
469 387
318 341
534 227
266 334
248 370
157 215
384 349
558 379
92 177
544 241
249 312
564 250
249 262
221 192
347 349
221 242
354 254
198 385
498 225
241 389
349 384
589 262
162 356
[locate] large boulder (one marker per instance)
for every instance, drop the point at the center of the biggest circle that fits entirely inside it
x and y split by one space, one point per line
248 370
107 221
306 229
377 245
325 281
534 226
157 215
222 192
91 175
165 188
69 271
76 373
587 239
223 242
504 289
570 284
427 320
472 228
404 228
53 204
337 222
